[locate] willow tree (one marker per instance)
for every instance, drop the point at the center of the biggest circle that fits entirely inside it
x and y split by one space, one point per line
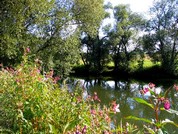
96 54
162 37
123 38
17 17
50 28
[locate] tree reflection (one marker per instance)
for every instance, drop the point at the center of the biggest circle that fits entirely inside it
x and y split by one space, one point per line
124 92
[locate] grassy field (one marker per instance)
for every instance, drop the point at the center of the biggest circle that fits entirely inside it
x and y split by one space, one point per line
134 65
147 63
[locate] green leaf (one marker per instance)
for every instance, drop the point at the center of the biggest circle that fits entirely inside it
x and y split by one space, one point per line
65 127
139 100
151 131
166 121
160 131
172 111
52 129
139 119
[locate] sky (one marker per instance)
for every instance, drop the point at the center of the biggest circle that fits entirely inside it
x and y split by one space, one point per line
140 6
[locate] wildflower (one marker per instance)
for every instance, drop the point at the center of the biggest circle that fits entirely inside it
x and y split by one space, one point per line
107 118
144 91
157 90
27 49
100 112
84 130
95 97
89 98
79 99
167 104
77 130
93 112
106 132
151 85
50 74
56 79
115 107
161 99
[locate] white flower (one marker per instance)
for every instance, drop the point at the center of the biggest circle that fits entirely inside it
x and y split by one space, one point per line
117 108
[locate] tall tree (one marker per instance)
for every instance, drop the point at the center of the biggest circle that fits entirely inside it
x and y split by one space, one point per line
17 17
124 36
162 34
50 28
97 52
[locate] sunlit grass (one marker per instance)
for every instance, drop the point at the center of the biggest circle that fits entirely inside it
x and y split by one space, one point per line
134 65
110 64
148 63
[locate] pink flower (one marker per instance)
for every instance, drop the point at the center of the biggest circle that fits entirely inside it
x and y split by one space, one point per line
115 107
100 112
56 79
145 90
107 118
27 49
161 99
151 85
84 130
50 74
95 97
93 111
167 105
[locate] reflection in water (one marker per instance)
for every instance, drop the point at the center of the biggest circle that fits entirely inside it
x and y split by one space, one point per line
124 92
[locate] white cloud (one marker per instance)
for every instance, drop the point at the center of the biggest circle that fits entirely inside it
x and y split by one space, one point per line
141 6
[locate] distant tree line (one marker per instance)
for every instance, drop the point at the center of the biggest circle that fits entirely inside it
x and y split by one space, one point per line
59 33
133 36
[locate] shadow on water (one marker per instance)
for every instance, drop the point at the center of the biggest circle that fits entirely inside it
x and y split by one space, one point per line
123 91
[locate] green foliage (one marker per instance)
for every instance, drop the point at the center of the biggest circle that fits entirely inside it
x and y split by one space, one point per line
16 21
127 26
88 15
140 100
50 28
97 55
33 103
155 103
161 40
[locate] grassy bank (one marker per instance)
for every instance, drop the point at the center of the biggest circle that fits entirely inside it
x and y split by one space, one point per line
149 70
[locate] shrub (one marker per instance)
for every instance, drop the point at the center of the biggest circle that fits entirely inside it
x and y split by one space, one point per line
34 103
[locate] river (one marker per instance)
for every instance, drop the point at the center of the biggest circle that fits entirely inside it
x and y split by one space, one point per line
123 91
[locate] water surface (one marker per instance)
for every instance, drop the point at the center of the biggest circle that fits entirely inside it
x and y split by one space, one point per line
123 91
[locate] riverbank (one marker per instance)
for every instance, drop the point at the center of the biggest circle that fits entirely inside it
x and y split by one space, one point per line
154 72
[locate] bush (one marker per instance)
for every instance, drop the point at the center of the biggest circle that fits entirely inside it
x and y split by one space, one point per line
34 103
